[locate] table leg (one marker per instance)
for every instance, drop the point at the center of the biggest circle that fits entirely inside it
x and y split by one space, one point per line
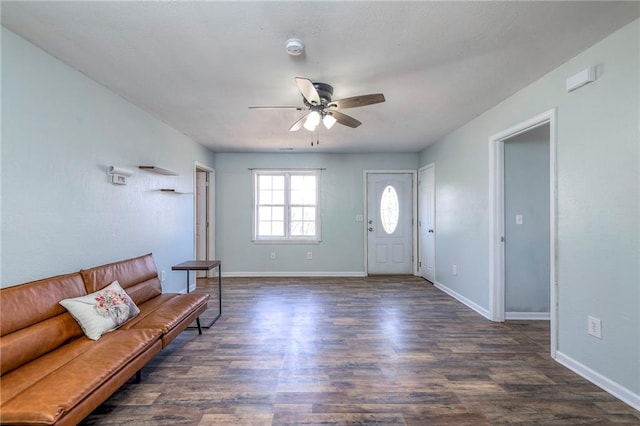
219 299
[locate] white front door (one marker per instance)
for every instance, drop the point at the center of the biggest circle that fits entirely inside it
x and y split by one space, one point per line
426 223
389 223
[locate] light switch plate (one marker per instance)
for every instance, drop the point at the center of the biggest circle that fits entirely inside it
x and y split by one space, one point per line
594 326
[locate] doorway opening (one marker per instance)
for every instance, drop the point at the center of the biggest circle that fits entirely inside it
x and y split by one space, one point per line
204 215
519 211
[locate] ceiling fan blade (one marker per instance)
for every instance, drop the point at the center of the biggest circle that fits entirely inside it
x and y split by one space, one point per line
344 119
277 107
358 101
298 124
308 90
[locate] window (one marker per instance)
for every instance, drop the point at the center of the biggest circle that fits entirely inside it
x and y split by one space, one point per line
286 205
389 209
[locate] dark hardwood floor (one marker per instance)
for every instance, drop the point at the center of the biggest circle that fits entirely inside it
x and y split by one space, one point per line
356 351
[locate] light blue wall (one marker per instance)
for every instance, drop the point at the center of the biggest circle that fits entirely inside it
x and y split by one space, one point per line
526 247
598 203
341 251
60 131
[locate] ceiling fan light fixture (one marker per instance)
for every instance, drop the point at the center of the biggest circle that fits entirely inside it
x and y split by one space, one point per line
313 119
295 47
328 120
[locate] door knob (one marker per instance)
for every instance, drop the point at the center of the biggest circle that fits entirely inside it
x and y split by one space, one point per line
370 222
431 231
371 229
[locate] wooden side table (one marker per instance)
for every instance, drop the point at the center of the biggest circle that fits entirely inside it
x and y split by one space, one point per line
203 265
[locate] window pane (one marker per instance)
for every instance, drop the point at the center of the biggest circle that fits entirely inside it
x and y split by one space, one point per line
264 229
264 213
278 197
278 182
297 182
296 228
264 182
309 213
310 197
265 197
277 229
296 213
309 229
297 197
303 189
277 213
389 209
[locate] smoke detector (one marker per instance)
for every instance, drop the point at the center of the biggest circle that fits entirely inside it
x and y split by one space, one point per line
295 47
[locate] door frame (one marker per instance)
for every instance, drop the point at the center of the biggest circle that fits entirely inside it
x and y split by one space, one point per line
496 219
211 211
420 248
414 214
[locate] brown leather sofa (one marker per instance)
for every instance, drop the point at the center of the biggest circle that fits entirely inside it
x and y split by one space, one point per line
51 372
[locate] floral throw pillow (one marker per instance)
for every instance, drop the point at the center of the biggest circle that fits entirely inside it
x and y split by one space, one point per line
102 311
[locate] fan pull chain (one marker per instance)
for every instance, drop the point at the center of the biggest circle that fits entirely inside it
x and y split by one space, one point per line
317 139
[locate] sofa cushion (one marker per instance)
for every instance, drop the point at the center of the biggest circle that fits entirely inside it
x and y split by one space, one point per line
172 312
79 377
102 311
138 276
32 322
41 297
23 346
20 379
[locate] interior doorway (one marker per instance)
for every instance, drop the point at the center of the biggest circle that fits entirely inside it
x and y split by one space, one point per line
204 215
526 225
511 242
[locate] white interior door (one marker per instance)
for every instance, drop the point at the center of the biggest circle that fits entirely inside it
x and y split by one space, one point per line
389 223
426 223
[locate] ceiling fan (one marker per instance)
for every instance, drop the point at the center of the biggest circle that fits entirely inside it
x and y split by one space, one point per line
317 100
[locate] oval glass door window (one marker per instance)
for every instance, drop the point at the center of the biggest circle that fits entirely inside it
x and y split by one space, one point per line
389 209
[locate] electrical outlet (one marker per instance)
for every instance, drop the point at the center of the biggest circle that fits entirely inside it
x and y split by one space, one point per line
359 218
519 219
454 270
594 327
309 255
162 276
273 255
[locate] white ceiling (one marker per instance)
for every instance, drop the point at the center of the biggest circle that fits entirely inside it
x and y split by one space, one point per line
198 65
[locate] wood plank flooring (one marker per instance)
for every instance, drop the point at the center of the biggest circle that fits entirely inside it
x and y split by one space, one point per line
357 351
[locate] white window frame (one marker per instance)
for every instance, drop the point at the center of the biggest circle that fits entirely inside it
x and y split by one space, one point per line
287 174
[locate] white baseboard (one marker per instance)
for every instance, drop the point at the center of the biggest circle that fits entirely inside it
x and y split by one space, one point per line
615 389
528 316
471 304
273 274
